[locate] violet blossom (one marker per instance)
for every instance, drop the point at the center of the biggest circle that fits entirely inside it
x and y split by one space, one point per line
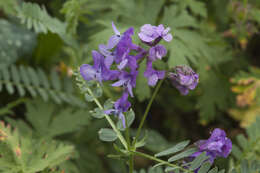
121 105
184 79
157 52
99 71
153 34
127 80
153 75
218 145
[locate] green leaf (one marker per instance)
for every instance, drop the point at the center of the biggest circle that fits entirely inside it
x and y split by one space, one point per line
244 166
48 121
130 117
236 152
15 42
97 113
214 170
108 104
26 154
242 141
183 154
205 167
107 135
88 97
197 162
33 16
176 148
169 169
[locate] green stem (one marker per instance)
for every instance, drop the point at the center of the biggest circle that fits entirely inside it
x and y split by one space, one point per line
131 163
160 161
147 111
112 124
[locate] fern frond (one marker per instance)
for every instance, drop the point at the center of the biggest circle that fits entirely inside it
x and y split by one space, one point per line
15 42
25 154
37 18
36 83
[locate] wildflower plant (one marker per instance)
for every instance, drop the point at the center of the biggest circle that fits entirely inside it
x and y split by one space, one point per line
117 62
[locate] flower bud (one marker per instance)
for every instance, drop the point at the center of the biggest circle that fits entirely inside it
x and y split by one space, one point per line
184 79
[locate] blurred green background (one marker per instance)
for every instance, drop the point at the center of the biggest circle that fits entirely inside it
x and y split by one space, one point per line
43 41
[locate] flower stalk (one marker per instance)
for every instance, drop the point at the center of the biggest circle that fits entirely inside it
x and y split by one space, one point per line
147 111
110 121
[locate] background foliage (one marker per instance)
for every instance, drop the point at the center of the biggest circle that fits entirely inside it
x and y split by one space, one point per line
46 124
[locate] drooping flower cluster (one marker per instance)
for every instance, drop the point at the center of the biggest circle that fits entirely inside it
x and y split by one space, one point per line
218 145
184 79
119 59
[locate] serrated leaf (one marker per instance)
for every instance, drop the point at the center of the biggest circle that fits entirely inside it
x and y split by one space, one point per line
176 148
107 135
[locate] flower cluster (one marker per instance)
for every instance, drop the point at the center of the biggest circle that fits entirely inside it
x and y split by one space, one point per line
119 59
218 145
184 79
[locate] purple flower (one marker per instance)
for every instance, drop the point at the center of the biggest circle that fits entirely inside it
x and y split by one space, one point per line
153 75
121 105
218 145
157 52
154 34
184 79
99 71
127 80
112 42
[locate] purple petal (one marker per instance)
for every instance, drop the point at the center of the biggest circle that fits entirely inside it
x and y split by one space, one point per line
122 117
129 89
113 41
119 83
109 111
160 74
115 29
168 37
87 72
145 37
122 64
109 61
152 80
97 58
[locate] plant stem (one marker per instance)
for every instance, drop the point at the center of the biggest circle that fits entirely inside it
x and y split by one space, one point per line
147 111
160 161
112 124
131 163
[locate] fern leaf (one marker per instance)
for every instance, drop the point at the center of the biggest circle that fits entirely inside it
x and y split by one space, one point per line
15 42
36 83
48 122
24 154
37 18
